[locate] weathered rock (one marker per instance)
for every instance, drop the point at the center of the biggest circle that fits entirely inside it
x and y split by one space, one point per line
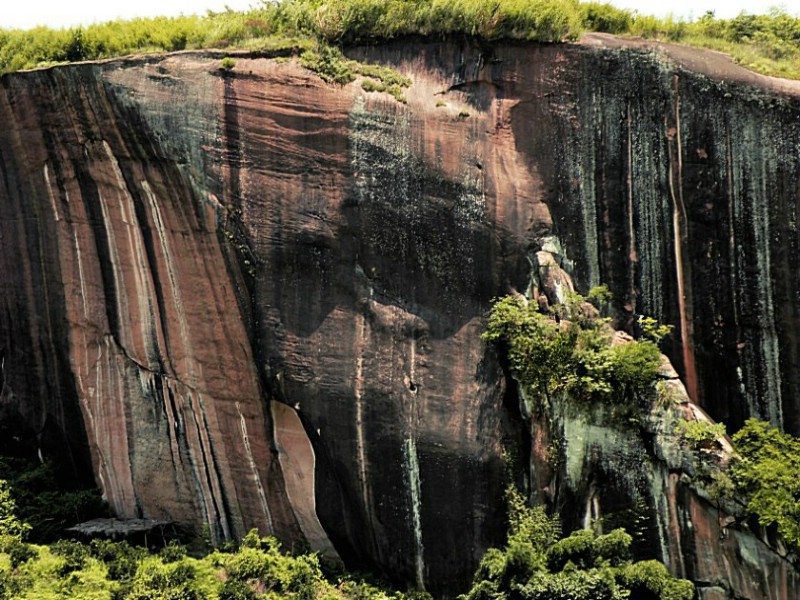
181 248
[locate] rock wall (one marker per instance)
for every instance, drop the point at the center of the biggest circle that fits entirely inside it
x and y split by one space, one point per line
222 291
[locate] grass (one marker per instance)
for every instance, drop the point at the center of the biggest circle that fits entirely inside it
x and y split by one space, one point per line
769 44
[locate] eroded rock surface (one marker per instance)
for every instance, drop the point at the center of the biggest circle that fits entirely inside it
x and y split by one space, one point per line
181 248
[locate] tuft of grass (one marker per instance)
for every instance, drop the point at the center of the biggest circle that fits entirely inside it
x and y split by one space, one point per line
330 63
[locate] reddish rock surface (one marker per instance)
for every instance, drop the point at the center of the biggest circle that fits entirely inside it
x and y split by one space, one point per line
181 248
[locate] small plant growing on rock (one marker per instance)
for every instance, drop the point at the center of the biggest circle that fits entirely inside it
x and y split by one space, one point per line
227 64
330 63
599 296
653 330
701 435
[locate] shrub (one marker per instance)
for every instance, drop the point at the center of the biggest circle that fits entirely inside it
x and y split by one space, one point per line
175 581
585 549
766 474
234 589
74 555
44 501
599 296
606 18
370 85
650 579
701 434
18 552
121 559
635 365
227 64
10 525
173 552
573 355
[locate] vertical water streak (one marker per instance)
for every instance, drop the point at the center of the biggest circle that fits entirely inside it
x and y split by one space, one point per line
262 496
358 392
632 255
415 491
588 193
769 347
678 221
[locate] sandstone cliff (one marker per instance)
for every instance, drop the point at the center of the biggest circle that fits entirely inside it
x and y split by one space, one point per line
252 299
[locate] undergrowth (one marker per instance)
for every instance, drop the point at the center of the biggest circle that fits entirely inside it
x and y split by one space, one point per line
538 564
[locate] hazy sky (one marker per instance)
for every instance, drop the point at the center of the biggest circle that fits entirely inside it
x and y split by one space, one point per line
65 13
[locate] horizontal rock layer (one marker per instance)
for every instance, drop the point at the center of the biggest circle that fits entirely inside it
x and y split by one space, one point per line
223 291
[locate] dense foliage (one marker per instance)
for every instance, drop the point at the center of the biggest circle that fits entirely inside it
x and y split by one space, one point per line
768 43
570 350
105 570
766 474
763 473
45 501
537 565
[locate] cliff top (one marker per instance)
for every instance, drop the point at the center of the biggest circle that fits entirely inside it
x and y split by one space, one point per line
712 63
768 44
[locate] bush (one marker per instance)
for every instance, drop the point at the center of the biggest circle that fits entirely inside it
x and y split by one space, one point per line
766 474
176 581
18 552
585 549
74 555
234 589
650 579
173 552
44 501
10 525
701 435
572 354
606 18
121 559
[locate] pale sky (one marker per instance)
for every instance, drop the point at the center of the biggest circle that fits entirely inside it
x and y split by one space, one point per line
66 13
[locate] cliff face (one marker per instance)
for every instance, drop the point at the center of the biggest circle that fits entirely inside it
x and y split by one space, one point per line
255 300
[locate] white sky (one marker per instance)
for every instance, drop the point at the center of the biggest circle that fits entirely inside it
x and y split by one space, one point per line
66 13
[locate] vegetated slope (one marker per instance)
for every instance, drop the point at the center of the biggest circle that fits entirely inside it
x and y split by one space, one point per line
239 296
769 44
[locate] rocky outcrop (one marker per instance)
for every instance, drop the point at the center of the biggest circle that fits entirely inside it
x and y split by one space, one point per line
225 290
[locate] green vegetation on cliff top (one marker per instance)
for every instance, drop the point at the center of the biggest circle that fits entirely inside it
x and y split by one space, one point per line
766 43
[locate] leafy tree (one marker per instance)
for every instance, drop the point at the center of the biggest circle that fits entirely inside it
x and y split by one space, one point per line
10 525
